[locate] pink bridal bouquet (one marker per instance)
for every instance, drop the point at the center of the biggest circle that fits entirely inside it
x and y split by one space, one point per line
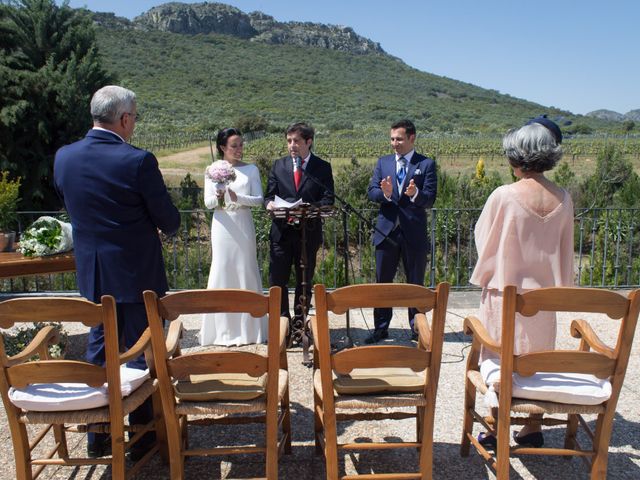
222 174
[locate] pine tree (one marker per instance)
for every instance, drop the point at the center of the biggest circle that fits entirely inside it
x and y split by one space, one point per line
49 68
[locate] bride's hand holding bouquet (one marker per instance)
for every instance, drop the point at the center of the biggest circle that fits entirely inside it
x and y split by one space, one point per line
222 174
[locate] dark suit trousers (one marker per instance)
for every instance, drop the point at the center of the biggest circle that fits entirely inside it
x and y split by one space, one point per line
388 257
132 321
285 252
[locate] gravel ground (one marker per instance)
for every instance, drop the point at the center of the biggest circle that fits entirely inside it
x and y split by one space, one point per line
624 452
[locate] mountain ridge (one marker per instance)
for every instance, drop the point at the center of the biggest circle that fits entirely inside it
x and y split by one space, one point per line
220 18
612 115
187 79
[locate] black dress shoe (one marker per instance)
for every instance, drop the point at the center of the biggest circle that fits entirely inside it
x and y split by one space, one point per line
376 336
534 439
99 446
487 440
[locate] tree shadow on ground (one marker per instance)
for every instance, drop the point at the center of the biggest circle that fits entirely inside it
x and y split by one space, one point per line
621 464
447 463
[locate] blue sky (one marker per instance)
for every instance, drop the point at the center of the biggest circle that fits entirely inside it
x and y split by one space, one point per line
578 55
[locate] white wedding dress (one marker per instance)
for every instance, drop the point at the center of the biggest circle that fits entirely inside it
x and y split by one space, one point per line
234 263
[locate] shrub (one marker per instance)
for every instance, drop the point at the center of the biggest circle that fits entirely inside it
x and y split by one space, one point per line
264 163
580 128
9 191
251 123
190 194
337 125
612 171
15 342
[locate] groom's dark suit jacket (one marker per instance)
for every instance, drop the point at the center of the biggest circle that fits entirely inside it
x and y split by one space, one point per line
117 201
318 193
412 216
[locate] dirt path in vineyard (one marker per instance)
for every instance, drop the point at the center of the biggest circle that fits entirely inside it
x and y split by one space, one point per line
190 161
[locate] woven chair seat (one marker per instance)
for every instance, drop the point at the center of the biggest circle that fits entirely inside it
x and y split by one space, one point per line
94 415
374 401
227 407
523 405
553 387
66 398
206 388
377 383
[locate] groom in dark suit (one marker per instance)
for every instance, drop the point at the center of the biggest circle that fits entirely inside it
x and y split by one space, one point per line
404 185
117 201
300 175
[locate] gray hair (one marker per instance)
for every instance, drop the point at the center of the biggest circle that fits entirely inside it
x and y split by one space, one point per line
531 148
110 103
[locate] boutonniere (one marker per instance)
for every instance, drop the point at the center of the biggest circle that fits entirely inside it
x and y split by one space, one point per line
417 172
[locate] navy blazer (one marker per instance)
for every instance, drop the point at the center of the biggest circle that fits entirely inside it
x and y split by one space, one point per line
117 201
412 216
317 193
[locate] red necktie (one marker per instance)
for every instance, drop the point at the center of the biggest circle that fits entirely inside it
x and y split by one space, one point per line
297 172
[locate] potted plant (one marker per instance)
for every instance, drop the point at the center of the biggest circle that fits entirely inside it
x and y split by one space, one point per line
9 191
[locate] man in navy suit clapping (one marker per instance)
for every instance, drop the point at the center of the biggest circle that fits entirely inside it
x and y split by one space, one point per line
404 184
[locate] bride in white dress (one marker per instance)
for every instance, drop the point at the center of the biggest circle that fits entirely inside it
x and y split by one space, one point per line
233 246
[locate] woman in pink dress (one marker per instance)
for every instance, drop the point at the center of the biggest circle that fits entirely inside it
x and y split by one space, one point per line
524 237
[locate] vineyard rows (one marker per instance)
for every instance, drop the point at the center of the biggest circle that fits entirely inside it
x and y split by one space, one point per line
434 145
155 141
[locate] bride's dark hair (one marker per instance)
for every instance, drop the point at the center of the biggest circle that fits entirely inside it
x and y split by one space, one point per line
223 137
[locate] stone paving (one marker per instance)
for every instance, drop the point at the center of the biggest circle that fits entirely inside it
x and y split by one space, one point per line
624 452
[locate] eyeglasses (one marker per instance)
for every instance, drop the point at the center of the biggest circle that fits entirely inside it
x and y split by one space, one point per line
136 116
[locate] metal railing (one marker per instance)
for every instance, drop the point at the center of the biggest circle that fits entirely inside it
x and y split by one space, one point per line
607 242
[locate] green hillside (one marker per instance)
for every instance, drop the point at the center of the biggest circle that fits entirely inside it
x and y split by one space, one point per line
193 82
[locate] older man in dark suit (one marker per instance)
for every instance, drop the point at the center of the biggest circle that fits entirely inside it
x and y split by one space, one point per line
300 175
117 201
404 185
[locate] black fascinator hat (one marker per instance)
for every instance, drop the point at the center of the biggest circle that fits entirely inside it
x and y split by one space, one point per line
549 125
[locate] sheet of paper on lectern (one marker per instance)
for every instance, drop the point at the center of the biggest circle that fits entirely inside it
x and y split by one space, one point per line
282 203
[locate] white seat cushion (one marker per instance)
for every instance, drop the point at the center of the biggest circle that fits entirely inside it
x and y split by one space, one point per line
56 397
572 388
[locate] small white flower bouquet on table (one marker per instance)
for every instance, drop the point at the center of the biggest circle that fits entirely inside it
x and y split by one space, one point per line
222 174
46 236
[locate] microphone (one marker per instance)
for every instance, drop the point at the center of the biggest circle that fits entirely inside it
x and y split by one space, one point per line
347 207
313 178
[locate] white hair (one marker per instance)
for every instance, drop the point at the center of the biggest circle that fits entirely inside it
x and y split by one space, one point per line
110 103
532 148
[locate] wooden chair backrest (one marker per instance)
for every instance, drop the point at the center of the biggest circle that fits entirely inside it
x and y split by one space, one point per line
610 364
171 306
380 295
20 372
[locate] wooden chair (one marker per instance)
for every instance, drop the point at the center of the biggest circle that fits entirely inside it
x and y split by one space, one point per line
22 373
378 382
592 357
223 386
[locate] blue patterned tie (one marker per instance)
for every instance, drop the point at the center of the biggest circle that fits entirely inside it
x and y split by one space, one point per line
400 174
